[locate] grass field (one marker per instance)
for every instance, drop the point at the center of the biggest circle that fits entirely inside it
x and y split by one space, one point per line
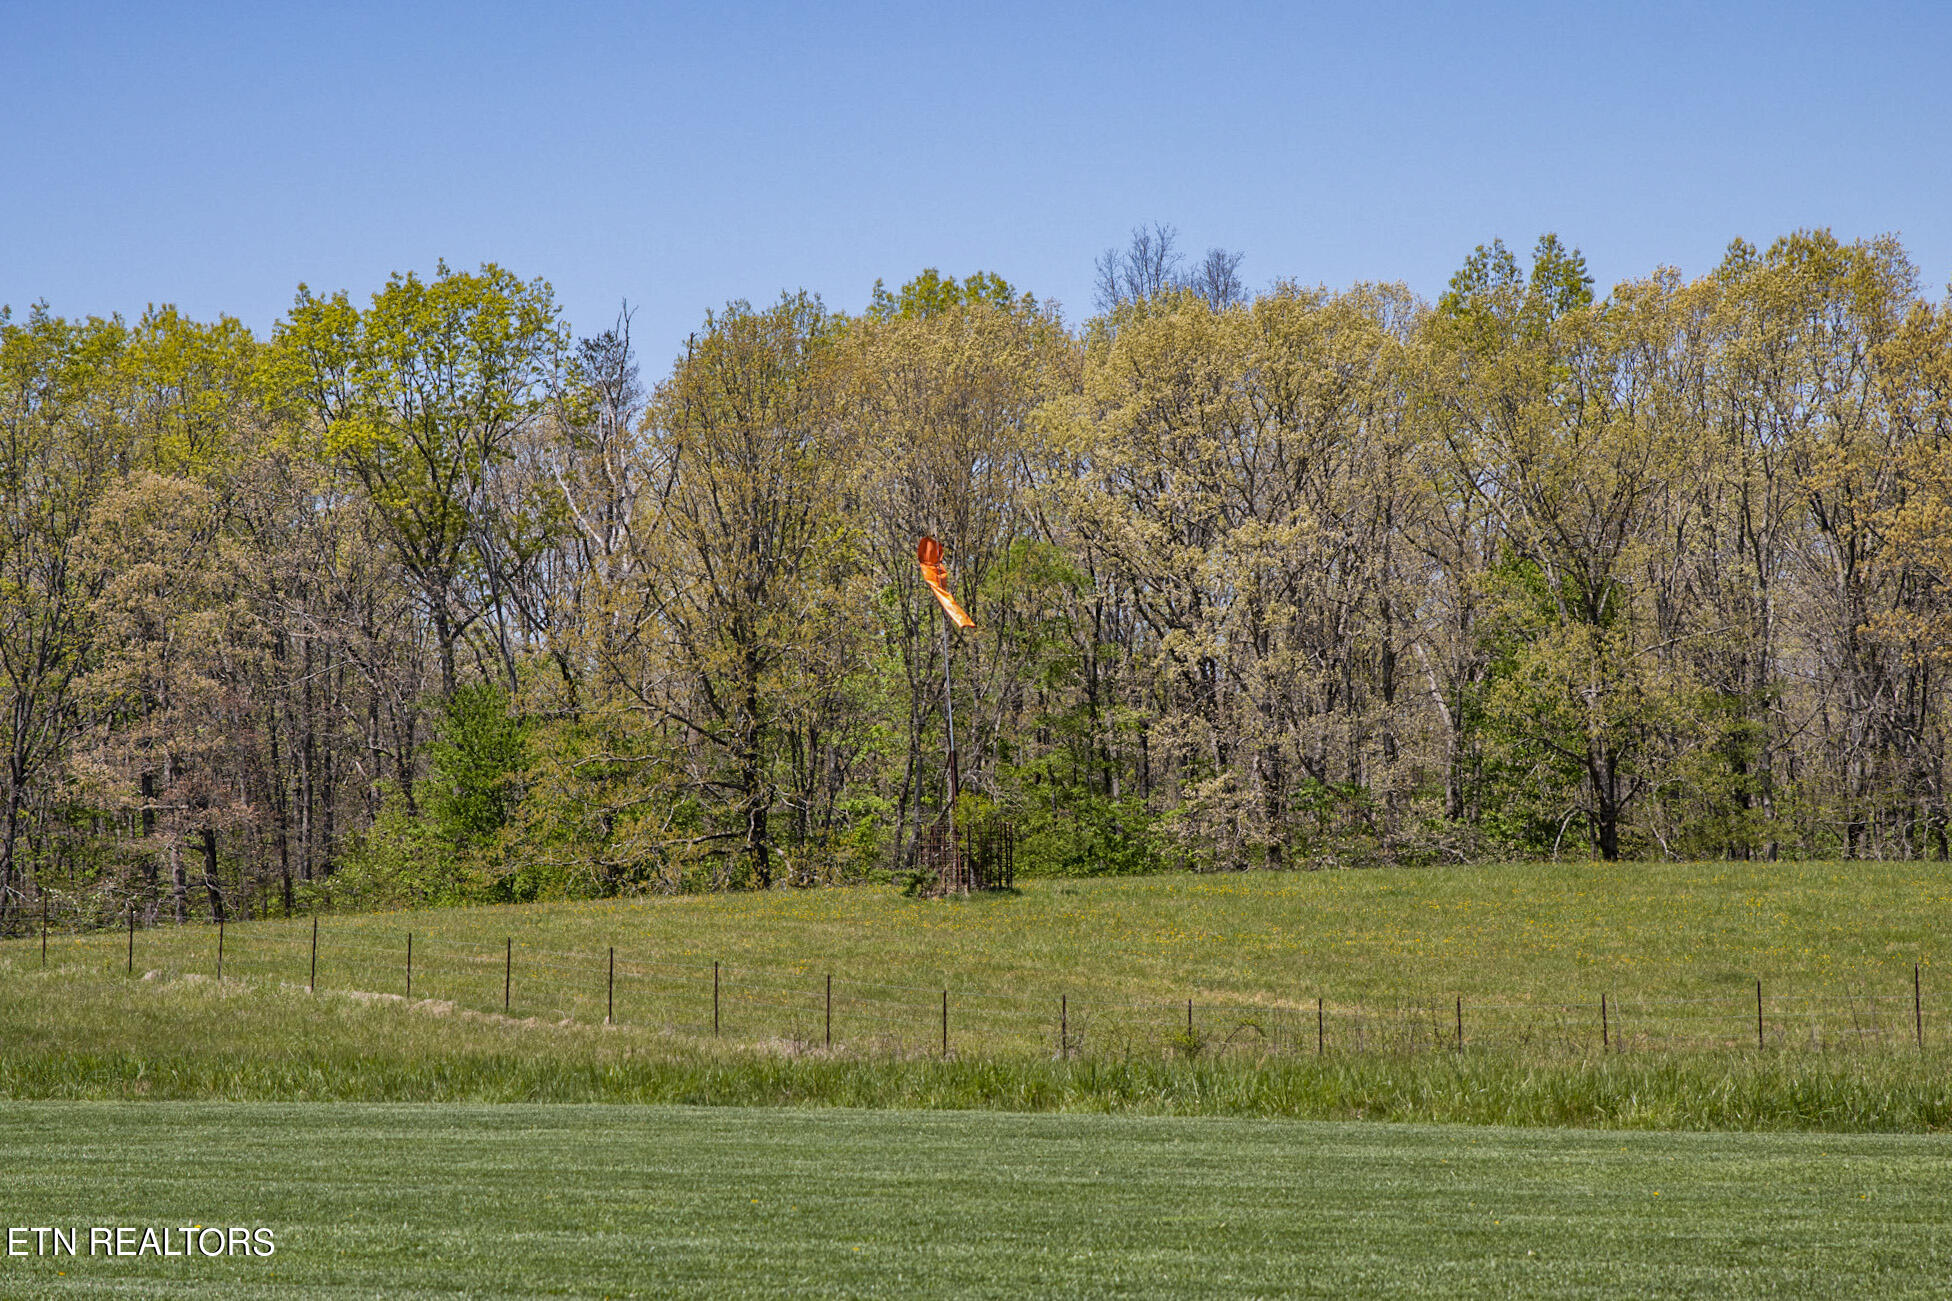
1216 1160
1526 948
602 1201
1529 948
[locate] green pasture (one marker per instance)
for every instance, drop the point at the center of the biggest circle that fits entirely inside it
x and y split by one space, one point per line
1529 950
1107 965
727 1202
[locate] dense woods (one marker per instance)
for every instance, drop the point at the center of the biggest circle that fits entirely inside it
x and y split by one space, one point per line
430 599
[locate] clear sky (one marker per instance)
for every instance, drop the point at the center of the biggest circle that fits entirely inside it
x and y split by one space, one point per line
215 155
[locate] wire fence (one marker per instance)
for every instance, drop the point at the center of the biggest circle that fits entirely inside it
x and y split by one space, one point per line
804 1009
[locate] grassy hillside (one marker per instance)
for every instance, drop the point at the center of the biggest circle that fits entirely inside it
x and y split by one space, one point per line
1532 936
593 1201
1110 965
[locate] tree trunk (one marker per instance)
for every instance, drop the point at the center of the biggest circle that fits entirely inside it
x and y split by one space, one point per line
1604 771
9 849
179 883
149 827
444 637
210 873
752 784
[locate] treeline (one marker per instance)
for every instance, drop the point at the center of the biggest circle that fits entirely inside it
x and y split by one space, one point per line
427 599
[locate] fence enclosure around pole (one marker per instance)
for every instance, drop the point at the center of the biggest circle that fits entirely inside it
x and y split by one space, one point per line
803 1009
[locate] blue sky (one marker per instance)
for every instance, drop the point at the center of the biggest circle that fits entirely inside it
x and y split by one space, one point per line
215 155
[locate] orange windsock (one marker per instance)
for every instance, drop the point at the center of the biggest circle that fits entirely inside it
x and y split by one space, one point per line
928 553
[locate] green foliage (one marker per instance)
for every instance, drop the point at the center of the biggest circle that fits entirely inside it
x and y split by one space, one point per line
931 294
605 814
1495 301
1559 281
450 844
422 395
195 390
402 861
1488 284
476 763
1072 828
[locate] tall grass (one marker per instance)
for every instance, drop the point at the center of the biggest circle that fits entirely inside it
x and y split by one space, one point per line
193 1038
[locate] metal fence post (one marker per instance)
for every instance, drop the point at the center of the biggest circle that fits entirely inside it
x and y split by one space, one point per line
1917 1005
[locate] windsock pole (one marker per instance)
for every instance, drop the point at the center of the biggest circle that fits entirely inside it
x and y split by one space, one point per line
928 554
949 712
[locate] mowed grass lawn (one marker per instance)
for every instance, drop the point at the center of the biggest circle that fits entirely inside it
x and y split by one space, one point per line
416 1200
